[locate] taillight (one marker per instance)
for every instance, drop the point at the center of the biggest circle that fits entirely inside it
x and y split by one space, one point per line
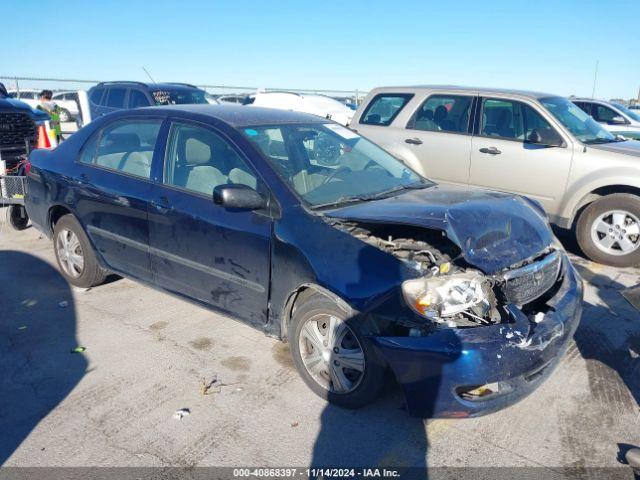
27 167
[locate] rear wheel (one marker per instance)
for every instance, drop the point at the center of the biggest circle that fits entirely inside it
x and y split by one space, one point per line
608 230
17 217
332 356
65 116
75 256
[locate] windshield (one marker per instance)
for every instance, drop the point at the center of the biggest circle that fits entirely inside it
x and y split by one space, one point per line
581 125
178 97
629 113
328 165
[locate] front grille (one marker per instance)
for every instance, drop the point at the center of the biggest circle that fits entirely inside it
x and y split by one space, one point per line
525 284
15 129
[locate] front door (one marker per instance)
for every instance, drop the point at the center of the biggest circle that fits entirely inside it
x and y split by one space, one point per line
200 249
112 193
504 157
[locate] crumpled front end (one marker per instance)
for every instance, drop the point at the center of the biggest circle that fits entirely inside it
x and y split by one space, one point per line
464 372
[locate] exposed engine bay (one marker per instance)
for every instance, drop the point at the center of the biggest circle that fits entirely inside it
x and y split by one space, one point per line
449 292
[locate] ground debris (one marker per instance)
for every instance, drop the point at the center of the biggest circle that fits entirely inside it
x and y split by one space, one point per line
295 424
63 304
78 349
214 386
180 414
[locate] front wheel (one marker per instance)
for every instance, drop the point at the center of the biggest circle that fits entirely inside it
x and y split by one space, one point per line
65 115
75 256
331 355
608 230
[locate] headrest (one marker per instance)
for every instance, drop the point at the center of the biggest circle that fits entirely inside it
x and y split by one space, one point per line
197 152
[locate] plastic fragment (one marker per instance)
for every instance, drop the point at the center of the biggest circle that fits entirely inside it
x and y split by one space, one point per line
63 304
295 424
180 414
78 350
23 327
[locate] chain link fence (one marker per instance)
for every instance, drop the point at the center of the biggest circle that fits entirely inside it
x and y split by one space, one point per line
14 83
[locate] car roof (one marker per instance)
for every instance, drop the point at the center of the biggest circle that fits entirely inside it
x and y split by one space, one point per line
593 100
240 115
150 86
462 89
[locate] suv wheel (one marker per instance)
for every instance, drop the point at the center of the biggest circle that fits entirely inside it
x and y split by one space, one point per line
332 357
65 116
608 230
75 256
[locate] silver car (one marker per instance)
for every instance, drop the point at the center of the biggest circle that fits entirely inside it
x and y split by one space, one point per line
533 144
616 118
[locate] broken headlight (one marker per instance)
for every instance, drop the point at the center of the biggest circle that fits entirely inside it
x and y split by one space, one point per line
441 297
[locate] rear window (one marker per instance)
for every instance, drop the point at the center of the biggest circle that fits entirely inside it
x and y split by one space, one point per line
96 95
178 97
384 108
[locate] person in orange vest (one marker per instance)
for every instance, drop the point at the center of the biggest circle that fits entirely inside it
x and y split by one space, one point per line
49 106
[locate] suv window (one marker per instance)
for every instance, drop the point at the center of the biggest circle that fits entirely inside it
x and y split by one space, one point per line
137 99
199 160
604 114
126 146
384 107
515 121
443 113
115 97
96 96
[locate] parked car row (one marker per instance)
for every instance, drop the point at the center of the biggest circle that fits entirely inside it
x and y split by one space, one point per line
534 144
616 118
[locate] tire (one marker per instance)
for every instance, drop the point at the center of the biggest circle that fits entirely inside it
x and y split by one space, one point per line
67 230
363 387
600 224
17 217
65 115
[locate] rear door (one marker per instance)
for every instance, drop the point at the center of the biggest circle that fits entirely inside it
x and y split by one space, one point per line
439 136
504 158
112 193
202 250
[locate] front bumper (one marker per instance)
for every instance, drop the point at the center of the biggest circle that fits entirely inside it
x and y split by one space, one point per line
519 355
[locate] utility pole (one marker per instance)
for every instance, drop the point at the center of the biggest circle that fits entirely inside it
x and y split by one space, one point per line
595 76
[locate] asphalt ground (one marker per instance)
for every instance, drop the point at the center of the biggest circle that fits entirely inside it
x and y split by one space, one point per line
149 354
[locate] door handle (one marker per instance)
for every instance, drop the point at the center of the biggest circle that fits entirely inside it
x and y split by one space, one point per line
413 141
162 205
490 151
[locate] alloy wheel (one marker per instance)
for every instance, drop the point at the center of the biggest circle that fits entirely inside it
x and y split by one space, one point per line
616 232
70 253
331 353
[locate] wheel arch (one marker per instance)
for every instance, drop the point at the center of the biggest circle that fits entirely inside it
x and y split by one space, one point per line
55 213
597 193
298 295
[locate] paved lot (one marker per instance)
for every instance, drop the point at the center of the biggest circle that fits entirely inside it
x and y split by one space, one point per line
147 354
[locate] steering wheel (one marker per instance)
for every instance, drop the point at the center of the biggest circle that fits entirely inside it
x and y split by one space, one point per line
333 174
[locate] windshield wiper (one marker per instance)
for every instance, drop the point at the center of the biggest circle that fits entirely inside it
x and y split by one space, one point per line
374 196
598 141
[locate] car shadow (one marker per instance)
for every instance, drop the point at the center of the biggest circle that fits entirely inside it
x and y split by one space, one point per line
37 335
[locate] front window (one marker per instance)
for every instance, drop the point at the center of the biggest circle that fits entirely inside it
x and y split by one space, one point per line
384 107
167 96
330 165
581 125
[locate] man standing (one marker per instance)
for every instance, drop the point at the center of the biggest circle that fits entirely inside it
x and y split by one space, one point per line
49 106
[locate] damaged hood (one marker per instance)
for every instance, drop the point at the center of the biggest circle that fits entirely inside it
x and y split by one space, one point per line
493 230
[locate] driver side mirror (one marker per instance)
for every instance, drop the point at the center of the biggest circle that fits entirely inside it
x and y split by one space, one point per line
238 197
552 139
617 120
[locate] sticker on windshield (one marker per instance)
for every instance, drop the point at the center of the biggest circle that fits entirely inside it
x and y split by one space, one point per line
342 131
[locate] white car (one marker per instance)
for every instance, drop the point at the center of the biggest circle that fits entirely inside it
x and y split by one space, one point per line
69 108
30 97
614 117
320 105
68 103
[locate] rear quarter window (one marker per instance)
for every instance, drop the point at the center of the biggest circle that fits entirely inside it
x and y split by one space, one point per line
384 108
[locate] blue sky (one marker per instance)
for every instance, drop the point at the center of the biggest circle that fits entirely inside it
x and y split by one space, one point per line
543 45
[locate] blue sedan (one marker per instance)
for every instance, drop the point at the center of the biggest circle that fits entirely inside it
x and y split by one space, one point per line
311 233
